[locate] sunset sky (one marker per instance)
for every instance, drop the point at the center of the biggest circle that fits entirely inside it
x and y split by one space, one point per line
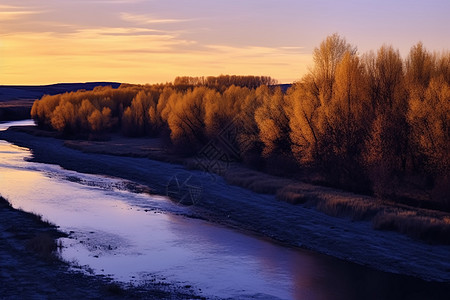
150 41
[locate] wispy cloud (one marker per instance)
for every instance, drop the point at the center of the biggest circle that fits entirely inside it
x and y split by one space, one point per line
9 12
136 55
120 31
114 1
132 46
148 19
254 51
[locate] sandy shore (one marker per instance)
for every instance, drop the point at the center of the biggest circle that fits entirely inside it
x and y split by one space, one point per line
236 207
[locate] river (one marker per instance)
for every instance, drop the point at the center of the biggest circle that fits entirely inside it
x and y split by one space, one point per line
135 237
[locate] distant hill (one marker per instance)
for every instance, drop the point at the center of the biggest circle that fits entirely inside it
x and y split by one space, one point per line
19 92
16 100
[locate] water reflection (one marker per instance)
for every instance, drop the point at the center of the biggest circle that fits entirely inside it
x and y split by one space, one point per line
6 125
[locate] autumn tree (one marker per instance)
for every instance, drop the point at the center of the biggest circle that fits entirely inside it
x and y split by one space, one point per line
430 126
100 121
443 66
63 117
326 59
185 115
140 117
304 119
389 74
43 108
223 108
85 110
248 138
273 122
343 123
349 116
164 106
344 119
311 97
420 67
222 82
388 145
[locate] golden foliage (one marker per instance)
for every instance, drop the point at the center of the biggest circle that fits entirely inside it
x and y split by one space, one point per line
326 59
430 123
303 120
273 122
140 118
373 116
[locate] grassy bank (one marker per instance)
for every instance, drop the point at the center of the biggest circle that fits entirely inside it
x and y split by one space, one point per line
39 235
424 224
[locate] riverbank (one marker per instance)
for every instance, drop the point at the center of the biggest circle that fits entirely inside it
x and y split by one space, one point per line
31 269
294 225
15 109
418 221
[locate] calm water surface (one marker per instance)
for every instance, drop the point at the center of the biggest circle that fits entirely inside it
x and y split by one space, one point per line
134 237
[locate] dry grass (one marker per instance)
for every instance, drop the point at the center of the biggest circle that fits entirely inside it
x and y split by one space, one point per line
432 229
255 181
426 225
297 193
43 245
39 219
33 130
292 197
331 202
41 241
356 208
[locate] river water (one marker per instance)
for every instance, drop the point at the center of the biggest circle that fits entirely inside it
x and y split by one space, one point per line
136 237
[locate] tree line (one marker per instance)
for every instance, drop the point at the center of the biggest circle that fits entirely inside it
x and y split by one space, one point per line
364 122
224 81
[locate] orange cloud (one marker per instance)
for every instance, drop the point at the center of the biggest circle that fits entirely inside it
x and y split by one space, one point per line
9 12
137 55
